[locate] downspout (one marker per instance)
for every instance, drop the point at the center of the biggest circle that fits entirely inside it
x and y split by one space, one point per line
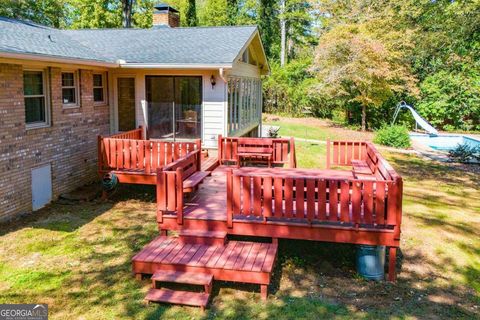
221 72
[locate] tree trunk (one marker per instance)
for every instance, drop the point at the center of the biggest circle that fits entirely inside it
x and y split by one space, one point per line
232 12
191 14
283 33
127 13
364 117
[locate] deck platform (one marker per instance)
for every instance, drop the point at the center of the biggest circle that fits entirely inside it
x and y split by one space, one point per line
237 261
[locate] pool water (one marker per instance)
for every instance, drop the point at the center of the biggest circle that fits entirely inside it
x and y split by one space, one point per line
444 142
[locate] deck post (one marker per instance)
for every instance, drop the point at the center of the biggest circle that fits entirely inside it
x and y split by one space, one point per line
264 291
392 262
179 194
220 151
293 156
161 200
328 154
229 198
100 148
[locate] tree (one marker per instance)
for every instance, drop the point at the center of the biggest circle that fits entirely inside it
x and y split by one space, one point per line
232 12
127 13
47 12
214 13
191 14
355 67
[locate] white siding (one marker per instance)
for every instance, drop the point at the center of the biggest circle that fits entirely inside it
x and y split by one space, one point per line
213 106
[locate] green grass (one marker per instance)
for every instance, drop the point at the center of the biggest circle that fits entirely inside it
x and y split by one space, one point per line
76 258
298 130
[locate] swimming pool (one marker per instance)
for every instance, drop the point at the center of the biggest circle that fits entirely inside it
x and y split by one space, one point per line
444 142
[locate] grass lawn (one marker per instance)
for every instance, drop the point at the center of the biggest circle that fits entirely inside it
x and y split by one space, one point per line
76 258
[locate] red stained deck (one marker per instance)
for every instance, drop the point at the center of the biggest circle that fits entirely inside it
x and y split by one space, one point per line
210 201
237 261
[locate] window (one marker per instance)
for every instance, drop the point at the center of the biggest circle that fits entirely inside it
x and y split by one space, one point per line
244 103
99 88
69 89
35 95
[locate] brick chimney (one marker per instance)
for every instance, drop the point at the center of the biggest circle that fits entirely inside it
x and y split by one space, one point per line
165 15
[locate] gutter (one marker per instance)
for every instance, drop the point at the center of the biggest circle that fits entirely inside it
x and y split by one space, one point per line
126 65
49 58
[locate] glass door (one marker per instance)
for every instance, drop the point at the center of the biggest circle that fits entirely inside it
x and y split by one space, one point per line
126 103
174 107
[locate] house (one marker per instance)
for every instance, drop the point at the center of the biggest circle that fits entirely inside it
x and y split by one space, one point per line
59 89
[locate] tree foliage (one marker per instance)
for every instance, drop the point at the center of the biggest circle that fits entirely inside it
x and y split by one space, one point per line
355 67
370 53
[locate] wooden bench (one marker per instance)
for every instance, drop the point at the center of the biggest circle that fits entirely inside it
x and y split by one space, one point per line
191 174
283 150
255 149
366 162
316 205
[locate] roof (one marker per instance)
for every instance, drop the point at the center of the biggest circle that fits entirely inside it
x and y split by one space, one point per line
175 46
165 7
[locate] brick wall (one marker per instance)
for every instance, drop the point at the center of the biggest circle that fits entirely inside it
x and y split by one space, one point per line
166 19
69 144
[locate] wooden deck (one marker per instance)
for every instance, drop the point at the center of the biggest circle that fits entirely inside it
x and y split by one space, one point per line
347 205
237 261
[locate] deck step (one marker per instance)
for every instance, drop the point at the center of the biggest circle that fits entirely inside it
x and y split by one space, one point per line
217 238
201 279
188 298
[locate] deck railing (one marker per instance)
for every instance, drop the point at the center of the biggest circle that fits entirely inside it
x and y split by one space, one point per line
283 150
128 152
136 134
268 196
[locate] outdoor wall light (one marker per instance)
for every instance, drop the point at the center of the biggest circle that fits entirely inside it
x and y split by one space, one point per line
212 81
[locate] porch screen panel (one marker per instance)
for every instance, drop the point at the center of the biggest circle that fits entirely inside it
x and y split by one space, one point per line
244 104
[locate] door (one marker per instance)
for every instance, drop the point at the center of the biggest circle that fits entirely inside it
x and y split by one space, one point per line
41 186
174 107
126 103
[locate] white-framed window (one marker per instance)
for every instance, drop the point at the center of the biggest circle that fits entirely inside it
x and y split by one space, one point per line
35 92
70 94
99 88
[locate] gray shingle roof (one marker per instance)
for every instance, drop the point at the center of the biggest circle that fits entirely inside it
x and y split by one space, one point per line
162 45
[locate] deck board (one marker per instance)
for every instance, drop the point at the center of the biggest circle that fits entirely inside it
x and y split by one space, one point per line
237 261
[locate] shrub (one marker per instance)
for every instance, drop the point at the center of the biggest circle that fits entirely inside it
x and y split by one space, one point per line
393 136
464 153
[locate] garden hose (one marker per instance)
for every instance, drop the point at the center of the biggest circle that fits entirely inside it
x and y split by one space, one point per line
109 182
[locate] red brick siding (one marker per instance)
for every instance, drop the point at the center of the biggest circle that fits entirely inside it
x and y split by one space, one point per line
69 144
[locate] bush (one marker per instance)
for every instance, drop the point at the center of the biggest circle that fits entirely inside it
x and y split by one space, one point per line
464 153
393 136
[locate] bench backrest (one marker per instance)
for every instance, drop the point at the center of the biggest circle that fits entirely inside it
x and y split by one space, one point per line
255 145
190 163
283 150
341 153
266 194
170 184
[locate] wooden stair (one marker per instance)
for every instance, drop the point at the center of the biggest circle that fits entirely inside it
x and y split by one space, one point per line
216 238
188 298
197 299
